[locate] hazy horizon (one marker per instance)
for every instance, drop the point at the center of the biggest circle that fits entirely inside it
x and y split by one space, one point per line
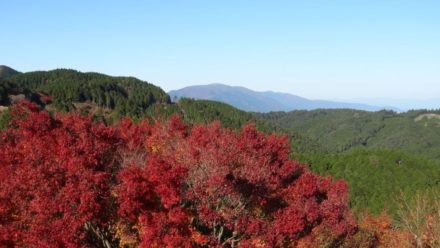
395 103
319 50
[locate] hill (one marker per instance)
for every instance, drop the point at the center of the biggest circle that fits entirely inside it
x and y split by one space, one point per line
344 129
6 71
124 96
249 100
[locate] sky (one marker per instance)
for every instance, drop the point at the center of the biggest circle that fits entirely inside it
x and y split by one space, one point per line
320 49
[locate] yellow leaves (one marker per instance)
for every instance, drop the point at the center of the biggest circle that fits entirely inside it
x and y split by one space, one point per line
153 148
126 239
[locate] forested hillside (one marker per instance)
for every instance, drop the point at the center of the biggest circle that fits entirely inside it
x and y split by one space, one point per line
417 132
6 71
382 155
125 96
377 178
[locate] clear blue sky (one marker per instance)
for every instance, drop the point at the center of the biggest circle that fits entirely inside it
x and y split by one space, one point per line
317 49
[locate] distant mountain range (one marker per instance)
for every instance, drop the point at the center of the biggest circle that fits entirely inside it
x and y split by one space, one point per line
254 101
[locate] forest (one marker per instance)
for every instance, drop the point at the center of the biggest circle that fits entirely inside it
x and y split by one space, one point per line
90 160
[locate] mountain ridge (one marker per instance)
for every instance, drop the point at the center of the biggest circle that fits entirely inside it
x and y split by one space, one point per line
261 101
6 71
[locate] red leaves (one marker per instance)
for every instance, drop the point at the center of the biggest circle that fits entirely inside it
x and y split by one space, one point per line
55 175
68 181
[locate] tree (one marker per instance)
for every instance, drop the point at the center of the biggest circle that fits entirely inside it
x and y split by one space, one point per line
70 182
56 175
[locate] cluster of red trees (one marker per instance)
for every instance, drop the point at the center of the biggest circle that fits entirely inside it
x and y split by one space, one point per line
66 181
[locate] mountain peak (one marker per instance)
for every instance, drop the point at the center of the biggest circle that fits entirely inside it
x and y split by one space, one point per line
6 71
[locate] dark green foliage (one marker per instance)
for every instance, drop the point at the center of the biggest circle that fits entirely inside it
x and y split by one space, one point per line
5 89
8 89
127 96
377 177
304 144
206 111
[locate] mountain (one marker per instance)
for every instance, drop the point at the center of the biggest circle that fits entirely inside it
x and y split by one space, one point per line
6 71
254 101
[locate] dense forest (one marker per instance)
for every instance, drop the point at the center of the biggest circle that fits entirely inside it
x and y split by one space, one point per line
381 154
377 178
125 96
338 130
390 162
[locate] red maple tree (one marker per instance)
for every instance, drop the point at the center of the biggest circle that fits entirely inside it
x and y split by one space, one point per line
66 181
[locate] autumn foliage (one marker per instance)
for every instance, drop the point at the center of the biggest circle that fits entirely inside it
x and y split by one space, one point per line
66 181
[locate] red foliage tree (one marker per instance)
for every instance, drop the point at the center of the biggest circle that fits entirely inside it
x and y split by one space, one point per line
55 178
245 190
69 182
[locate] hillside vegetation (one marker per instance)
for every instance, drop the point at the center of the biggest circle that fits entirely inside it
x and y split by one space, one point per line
381 155
126 96
345 129
377 178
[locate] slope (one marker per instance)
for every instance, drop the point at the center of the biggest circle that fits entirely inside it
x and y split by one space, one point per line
6 71
126 96
343 129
